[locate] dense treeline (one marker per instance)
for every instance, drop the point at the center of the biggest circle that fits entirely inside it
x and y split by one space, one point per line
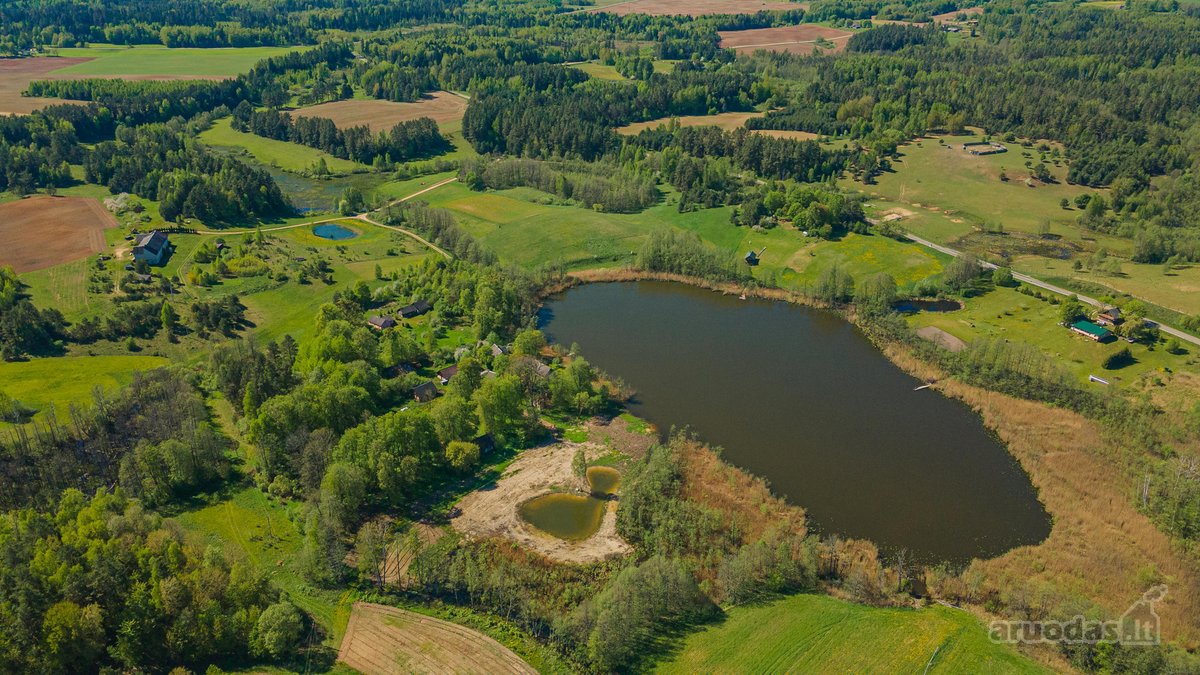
683 253
600 186
152 437
24 329
99 583
407 140
159 162
577 121
144 101
27 24
772 158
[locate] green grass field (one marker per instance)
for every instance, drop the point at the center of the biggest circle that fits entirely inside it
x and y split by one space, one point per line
1004 313
1175 289
251 527
816 633
58 382
287 156
116 60
600 71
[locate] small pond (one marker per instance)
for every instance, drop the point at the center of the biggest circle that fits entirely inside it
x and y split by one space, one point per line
915 306
803 399
570 516
334 231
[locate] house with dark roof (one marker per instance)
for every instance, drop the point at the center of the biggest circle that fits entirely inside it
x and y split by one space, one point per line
381 322
446 373
415 309
151 247
533 364
1109 315
425 392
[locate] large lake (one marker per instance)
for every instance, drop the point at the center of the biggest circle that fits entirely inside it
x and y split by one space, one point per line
803 399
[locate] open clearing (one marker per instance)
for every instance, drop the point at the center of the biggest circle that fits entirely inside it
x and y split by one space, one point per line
443 107
492 512
727 121
697 7
382 640
285 155
59 382
41 231
817 633
800 39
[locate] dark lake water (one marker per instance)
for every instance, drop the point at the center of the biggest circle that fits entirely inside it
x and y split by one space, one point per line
803 399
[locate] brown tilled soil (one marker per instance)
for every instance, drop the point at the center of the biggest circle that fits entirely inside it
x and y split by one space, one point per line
698 7
492 511
442 106
789 134
16 74
800 39
382 640
727 121
44 231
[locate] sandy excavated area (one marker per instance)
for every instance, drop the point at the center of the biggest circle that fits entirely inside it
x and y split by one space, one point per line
492 511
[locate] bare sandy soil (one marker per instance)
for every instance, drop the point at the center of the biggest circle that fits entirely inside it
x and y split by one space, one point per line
383 640
443 107
492 511
43 231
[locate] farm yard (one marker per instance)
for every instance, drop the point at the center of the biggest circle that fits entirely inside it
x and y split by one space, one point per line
40 231
697 7
382 640
802 39
443 107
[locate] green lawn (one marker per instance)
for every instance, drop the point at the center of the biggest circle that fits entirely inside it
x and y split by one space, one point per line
252 527
816 633
600 71
115 60
287 156
61 381
1004 313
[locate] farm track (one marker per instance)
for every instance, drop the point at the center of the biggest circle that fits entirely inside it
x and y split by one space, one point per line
364 217
382 640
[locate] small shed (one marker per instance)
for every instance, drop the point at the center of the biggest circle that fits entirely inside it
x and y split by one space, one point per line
1109 315
381 322
425 392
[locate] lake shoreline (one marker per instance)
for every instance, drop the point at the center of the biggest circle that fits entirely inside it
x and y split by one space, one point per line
1080 485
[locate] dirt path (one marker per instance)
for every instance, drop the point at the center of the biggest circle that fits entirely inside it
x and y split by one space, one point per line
492 512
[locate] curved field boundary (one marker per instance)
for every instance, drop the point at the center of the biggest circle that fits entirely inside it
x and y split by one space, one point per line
382 640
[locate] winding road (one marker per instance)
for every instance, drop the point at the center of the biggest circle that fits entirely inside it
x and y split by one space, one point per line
364 217
1034 281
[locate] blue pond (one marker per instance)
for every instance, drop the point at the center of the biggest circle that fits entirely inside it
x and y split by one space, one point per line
334 232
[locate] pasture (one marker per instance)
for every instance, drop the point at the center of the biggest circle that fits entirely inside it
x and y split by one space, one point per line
281 154
159 61
802 39
1177 288
817 633
383 640
43 384
41 231
727 121
443 107
697 7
